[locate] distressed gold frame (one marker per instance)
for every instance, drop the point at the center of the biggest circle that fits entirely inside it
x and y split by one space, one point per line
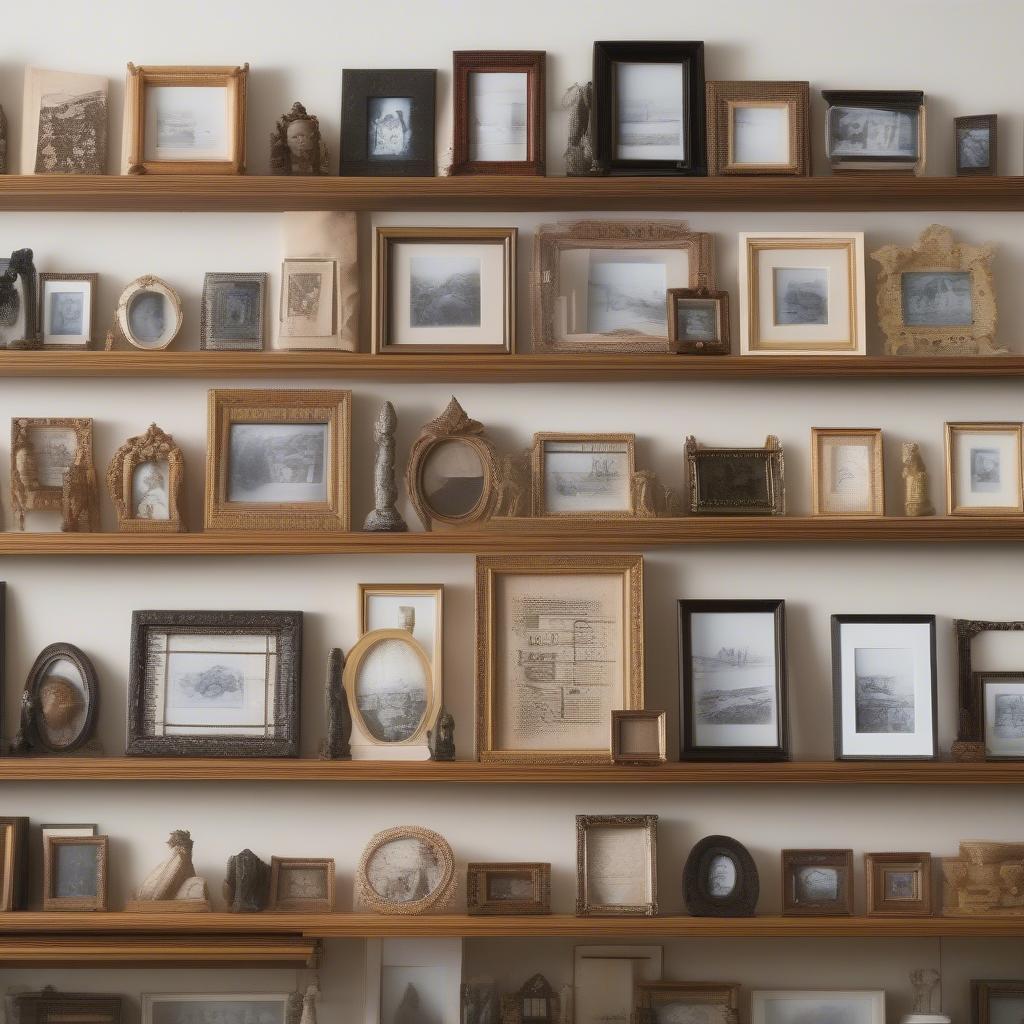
227 407
434 590
584 906
435 900
875 866
479 903
153 446
53 276
324 905
696 457
951 430
537 456
97 902
658 755
488 567
873 438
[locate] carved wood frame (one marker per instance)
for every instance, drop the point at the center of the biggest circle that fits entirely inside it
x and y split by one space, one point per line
585 907
97 902
658 755
87 673
319 905
697 456
153 446
720 346
479 903
537 458
841 861
435 900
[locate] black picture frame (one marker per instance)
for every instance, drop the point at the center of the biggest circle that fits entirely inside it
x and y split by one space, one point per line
689 749
741 900
909 101
691 56
358 87
990 123
971 712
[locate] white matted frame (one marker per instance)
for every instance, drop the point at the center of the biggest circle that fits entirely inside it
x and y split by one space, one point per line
604 978
868 1005
434 966
380 607
56 325
983 469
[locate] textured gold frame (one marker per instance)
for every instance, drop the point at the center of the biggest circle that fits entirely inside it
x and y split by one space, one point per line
97 902
227 407
435 900
45 278
479 903
301 905
875 866
488 567
152 446
648 757
951 430
434 590
584 823
537 456
873 438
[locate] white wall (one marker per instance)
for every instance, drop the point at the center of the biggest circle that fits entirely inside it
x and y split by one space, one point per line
966 57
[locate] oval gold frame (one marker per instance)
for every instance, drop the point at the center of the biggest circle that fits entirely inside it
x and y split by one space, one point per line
441 895
148 283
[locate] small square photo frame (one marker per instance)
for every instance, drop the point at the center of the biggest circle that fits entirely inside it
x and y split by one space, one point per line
616 865
302 884
698 321
846 472
67 311
898 884
583 476
508 888
75 873
983 469
817 883
232 317
975 144
638 737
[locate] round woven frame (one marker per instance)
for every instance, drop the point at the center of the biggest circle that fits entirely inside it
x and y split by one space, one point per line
438 899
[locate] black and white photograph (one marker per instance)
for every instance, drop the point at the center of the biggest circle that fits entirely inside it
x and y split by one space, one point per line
973 147
150 499
453 479
859 1007
75 871
232 311
697 320
1003 1009
872 132
392 692
277 463
65 120
510 885
304 296
801 295
587 477
721 876
148 315
985 470
627 295
444 291
900 885
1008 720
187 123
682 1012
297 882
498 105
815 884
760 135
884 690
53 451
389 127
1002 703
257 1008
66 312
404 870
937 298
649 106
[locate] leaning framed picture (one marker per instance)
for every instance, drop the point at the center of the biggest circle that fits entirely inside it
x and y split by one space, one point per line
560 646
983 469
993 1002
67 314
846 472
898 884
884 695
214 684
583 476
735 481
265 1007
616 865
75 873
817 883
800 1006
508 888
732 681
698 321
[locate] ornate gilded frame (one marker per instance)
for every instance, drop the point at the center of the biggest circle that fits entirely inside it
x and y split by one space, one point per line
585 906
840 861
702 503
324 905
875 867
45 278
652 756
872 438
650 995
554 239
153 446
148 283
332 408
951 431
52 902
537 458
142 77
719 346
478 902
435 900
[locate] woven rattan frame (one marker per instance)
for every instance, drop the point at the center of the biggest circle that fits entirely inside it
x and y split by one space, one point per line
537 455
299 905
41 283
152 446
478 902
873 438
584 823
97 902
436 900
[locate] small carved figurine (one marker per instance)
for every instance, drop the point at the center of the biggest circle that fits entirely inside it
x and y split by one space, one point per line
916 501
247 885
441 739
644 485
925 983
20 266
339 717
986 880
296 146
579 150
510 486
173 881
3 141
385 517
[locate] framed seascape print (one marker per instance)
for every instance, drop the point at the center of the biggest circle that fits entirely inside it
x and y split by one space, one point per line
884 687
875 130
387 122
817 883
732 686
616 865
149 314
499 111
231 315
649 107
302 884
665 1002
410 980
975 141
759 128
601 286
64 123
846 472
278 460
508 889
802 293
1000 698
75 873
607 980
559 642
801 1007
698 321
898 884
214 684
444 290
418 607
67 315
185 120
735 481
180 1008
983 469
406 870
583 475
638 737
997 1002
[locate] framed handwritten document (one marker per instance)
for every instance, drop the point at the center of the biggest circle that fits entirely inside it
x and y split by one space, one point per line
559 647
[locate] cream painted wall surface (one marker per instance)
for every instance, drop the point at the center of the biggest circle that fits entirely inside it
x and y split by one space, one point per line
963 54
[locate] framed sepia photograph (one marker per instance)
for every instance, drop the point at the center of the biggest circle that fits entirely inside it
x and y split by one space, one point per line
64 123
999 697
698 321
145 479
67 312
732 685
583 475
185 120
149 314
499 112
875 130
406 870
735 481
418 607
802 293
506 888
278 460
302 884
846 472
884 689
649 107
995 1002
52 1007
983 469
616 865
759 128
14 863
182 1008
559 642
214 684
898 884
231 315
638 737
800 1006
975 144
387 122
817 883
444 290
75 873
667 1001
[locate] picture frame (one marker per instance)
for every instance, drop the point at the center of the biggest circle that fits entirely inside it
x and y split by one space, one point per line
14 863
302 885
75 873
457 295
875 130
616 865
163 139
735 481
884 687
381 606
67 311
802 293
64 121
145 480
898 884
987 995
398 864
231 314
433 967
733 647
984 469
971 732
847 479
149 314
817 883
997 696
975 144
638 737
305 319
168 686
606 979
574 474
267 1007
305 433
387 122
611 585
508 888
720 879
51 1007
662 997
626 75
863 1006
581 266
516 90
62 675
759 128
698 321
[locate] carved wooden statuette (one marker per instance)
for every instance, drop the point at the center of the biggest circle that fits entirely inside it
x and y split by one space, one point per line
441 739
385 517
173 885
144 479
916 501
20 266
579 149
337 746
296 146
986 880
247 885
512 486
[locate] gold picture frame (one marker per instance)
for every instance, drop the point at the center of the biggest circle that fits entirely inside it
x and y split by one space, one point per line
148 449
612 586
53 899
383 892
592 894
280 867
484 899
898 884
593 445
984 469
413 592
632 739
830 475
329 409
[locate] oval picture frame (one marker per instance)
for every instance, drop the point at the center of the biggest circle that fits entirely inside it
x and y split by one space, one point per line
439 896
47 657
149 284
741 900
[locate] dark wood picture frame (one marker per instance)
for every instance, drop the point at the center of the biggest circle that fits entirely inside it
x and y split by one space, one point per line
705 488
14 863
51 901
689 750
358 87
48 656
971 717
302 904
875 865
46 1006
903 100
988 121
978 681
719 346
691 56
470 62
479 901
741 900
840 861
982 994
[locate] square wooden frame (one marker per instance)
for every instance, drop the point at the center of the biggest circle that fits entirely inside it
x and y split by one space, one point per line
724 97
873 435
323 905
951 430
469 62
41 282
386 238
479 903
537 456
875 866
434 590
982 993
988 121
840 860
46 1006
97 902
585 822
142 77
719 346
696 457
652 994
906 100
628 567
207 341
646 757
229 406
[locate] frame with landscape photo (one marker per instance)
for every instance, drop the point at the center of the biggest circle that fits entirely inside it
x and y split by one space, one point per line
846 472
735 481
984 469
975 144
67 316
698 321
573 475
231 316
817 883
898 884
875 130
508 888
616 865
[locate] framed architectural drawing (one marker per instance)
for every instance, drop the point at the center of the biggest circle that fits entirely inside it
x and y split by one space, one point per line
67 311
846 472
145 480
616 865
583 476
983 469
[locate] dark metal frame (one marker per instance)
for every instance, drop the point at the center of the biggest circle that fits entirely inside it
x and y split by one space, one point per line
741 901
906 100
840 860
719 346
988 121
36 736
978 680
775 483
